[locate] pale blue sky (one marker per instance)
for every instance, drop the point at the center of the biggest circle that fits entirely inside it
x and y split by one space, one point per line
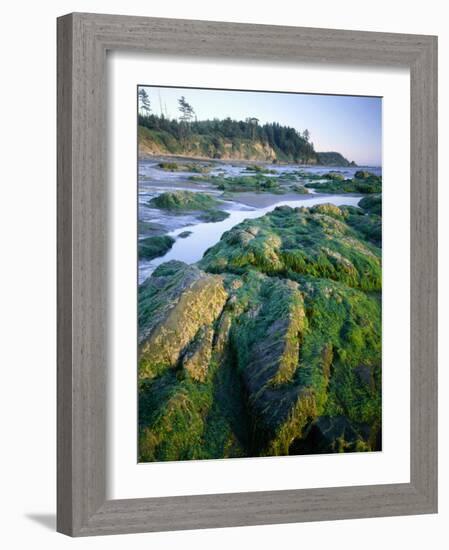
350 125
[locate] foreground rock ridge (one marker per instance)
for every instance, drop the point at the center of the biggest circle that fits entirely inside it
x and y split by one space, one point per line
270 345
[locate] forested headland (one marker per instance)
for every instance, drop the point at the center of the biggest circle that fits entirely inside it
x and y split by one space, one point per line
226 139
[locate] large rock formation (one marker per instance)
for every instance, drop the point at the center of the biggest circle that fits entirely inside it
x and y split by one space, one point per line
174 305
271 345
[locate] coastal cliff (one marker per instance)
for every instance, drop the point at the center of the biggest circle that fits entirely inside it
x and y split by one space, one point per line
230 140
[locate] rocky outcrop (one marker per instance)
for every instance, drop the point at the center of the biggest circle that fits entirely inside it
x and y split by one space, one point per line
181 202
363 183
153 247
174 304
267 338
271 345
372 204
184 201
333 158
314 242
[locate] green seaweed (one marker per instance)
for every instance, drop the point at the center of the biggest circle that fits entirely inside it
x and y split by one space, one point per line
335 183
184 201
188 201
152 247
186 167
257 182
270 345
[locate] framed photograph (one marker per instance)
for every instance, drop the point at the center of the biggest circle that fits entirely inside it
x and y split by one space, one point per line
247 274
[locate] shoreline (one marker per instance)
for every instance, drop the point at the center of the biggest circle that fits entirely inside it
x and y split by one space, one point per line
209 234
173 156
265 200
246 198
239 205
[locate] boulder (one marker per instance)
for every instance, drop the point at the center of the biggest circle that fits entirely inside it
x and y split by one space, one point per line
270 345
153 247
174 303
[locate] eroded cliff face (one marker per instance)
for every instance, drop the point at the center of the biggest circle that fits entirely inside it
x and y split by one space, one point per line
199 148
271 345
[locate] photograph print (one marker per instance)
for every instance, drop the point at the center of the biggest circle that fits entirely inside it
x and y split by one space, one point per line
259 274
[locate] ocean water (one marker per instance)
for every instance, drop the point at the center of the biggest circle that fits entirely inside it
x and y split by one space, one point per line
153 181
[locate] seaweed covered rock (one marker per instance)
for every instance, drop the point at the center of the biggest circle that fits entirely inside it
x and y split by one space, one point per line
196 167
184 201
259 169
372 204
174 303
172 416
362 174
259 182
299 189
336 176
363 182
270 345
367 219
296 242
332 435
267 333
198 355
298 349
211 216
196 409
153 247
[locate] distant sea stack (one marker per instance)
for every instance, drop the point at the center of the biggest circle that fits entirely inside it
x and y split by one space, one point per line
332 158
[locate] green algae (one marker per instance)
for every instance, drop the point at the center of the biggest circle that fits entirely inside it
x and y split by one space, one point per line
271 345
212 216
364 183
184 201
258 182
315 242
372 204
153 247
187 167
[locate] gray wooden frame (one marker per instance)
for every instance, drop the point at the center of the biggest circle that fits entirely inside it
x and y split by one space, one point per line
83 40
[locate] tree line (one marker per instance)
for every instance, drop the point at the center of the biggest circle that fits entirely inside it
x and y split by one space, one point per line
284 140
